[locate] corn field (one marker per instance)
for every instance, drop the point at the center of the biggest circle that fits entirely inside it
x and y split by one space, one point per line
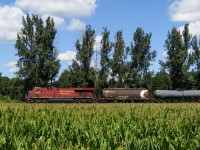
100 126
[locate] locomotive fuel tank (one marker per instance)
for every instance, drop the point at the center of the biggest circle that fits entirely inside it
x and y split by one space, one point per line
130 93
177 94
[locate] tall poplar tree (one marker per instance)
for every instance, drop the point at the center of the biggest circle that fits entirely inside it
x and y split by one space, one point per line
117 63
196 55
106 47
38 63
178 60
103 74
81 66
141 55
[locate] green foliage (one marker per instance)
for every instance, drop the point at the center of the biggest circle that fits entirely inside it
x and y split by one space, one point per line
105 60
11 89
83 73
38 63
4 86
151 126
127 67
196 55
178 61
17 89
65 79
161 81
141 57
140 52
103 74
148 80
117 63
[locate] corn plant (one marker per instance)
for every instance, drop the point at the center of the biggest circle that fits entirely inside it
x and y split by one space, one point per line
99 126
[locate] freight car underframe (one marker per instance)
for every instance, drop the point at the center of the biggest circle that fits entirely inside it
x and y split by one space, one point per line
122 100
150 101
111 100
66 100
176 100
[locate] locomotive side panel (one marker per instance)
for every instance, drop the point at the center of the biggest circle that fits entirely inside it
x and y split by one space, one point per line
59 94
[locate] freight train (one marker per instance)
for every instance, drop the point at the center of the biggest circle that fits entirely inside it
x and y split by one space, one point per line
81 95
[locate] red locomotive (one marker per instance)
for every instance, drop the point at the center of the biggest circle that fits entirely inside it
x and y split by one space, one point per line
40 94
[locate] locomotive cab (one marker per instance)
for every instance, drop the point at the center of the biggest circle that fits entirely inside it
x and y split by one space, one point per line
34 92
37 89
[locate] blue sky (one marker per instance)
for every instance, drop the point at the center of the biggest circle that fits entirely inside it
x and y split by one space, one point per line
71 17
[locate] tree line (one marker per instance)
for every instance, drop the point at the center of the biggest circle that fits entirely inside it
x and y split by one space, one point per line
118 66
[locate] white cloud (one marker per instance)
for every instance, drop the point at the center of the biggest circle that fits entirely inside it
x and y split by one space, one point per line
97 45
13 70
165 54
185 10
57 20
11 16
189 11
194 28
10 22
76 24
67 56
64 8
69 63
10 64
